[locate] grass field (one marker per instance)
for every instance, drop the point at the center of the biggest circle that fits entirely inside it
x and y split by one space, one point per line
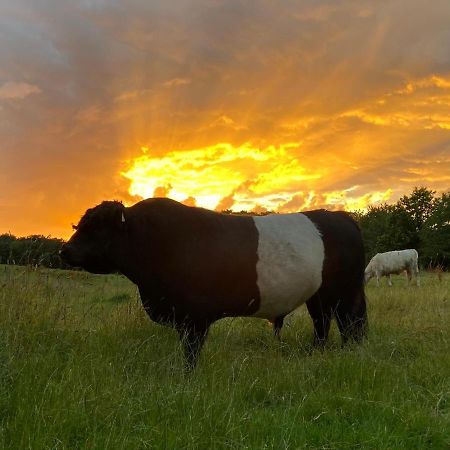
81 366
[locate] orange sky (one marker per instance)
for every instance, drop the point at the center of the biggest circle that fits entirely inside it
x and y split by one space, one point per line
225 104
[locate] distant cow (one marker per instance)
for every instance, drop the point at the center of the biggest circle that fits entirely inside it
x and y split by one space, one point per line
194 266
385 264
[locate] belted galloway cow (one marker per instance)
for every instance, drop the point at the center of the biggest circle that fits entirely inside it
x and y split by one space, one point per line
195 266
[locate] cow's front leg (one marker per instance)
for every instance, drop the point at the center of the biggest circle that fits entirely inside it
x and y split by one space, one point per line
408 276
389 280
192 335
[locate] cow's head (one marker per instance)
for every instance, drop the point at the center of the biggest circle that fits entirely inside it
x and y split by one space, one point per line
90 245
368 274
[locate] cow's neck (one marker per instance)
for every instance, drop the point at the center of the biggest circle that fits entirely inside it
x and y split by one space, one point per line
130 259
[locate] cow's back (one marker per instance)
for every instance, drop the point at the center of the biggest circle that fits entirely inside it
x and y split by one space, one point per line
395 260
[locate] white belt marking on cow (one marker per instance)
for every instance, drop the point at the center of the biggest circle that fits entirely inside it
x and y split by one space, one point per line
290 261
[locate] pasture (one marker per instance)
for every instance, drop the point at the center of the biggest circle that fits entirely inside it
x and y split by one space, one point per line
81 366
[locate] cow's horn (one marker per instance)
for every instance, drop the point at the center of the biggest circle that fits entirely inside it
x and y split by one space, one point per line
123 218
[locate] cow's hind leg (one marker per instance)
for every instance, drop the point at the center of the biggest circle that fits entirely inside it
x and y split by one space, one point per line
277 325
390 280
192 337
416 275
320 311
351 316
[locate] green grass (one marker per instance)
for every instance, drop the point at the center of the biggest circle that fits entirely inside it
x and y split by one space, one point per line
81 366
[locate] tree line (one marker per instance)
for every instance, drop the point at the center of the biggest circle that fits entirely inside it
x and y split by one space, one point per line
34 250
420 220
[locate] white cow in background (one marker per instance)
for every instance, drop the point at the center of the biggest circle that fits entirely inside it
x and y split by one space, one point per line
384 264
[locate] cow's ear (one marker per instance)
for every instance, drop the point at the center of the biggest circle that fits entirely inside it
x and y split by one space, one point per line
118 215
123 220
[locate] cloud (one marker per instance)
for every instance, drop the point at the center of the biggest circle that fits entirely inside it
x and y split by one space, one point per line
189 201
360 88
17 90
225 203
245 174
162 191
419 104
176 82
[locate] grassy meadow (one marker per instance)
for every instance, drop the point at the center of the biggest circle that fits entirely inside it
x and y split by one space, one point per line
81 366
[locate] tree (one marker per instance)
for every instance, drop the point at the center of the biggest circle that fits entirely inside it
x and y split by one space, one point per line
419 205
400 232
385 228
435 233
5 248
33 250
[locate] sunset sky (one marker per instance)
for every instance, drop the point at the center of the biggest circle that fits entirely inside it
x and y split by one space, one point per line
280 105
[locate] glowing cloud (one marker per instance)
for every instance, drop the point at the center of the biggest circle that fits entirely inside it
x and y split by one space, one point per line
221 176
420 104
239 178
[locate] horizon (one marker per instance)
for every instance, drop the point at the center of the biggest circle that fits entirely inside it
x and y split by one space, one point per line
359 212
224 105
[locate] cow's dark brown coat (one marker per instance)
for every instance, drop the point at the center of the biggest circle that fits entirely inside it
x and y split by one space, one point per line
194 266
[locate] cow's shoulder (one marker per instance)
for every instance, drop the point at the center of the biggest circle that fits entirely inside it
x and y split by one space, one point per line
331 223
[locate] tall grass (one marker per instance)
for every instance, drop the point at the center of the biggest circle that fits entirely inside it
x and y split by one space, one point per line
81 366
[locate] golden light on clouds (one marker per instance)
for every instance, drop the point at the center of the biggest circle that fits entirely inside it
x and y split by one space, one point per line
244 177
280 106
420 104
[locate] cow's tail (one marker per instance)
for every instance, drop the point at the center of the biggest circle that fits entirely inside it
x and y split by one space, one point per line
351 312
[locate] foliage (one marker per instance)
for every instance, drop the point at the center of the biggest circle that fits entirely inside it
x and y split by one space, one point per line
435 233
419 205
420 220
387 227
35 250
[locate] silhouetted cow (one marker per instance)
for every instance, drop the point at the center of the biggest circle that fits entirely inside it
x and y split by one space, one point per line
194 266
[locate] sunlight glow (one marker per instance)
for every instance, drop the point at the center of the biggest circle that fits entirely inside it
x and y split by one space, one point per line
245 177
